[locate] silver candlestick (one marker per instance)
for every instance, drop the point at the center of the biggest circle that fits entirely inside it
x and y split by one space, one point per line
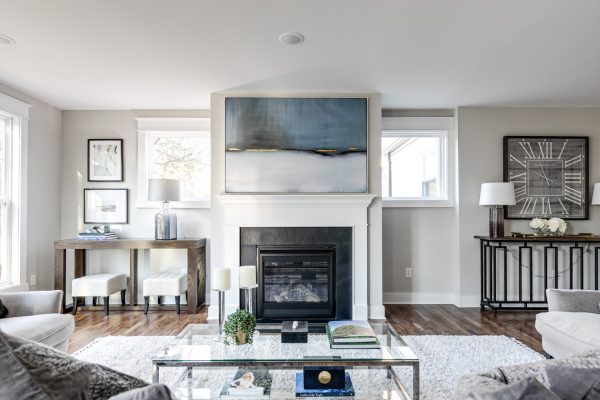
249 297
221 310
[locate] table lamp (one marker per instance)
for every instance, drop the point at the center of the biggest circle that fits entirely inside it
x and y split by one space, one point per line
496 195
596 195
165 222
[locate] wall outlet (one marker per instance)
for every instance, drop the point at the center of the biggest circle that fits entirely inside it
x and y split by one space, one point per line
408 272
33 280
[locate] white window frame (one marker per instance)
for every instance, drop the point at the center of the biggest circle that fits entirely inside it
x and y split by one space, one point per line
440 127
147 127
18 112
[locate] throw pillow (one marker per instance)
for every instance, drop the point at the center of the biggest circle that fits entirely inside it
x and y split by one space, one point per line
527 389
152 392
51 368
571 383
3 310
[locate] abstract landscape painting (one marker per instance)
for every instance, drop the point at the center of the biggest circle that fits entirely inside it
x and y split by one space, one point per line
286 145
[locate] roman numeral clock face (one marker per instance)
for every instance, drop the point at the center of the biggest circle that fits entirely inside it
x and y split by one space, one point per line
550 176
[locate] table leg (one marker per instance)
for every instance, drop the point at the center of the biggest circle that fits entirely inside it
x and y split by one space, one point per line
60 273
155 374
133 273
193 259
416 381
79 270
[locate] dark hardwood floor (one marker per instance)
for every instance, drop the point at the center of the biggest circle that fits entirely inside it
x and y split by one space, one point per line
407 319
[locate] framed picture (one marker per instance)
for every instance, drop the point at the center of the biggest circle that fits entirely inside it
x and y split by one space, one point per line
550 174
286 145
105 160
105 206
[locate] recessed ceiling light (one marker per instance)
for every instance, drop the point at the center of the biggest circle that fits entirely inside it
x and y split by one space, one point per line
291 38
6 39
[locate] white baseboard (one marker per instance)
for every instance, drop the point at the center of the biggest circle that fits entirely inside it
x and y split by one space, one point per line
419 298
377 312
469 301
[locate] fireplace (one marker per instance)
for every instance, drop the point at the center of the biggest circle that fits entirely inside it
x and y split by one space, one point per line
296 282
303 273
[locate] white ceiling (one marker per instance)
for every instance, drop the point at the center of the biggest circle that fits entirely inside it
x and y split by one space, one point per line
124 54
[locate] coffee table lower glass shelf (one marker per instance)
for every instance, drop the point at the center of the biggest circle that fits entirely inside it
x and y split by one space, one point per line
205 363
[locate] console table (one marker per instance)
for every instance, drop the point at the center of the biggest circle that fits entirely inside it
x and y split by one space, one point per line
495 279
196 265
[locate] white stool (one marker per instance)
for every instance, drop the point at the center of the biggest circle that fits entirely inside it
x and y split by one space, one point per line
171 282
100 285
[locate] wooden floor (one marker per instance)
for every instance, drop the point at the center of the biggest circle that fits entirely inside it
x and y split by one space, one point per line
407 319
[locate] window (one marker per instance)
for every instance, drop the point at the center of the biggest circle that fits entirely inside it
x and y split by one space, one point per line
176 154
13 156
415 168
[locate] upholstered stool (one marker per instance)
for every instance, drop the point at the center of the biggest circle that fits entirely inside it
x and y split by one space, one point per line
171 282
100 285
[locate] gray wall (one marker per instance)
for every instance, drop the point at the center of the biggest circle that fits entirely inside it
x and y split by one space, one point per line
480 132
78 127
43 187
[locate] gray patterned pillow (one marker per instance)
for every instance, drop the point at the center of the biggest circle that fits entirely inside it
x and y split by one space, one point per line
51 368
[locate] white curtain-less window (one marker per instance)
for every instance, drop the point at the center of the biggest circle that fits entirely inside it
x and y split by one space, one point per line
5 128
417 162
175 154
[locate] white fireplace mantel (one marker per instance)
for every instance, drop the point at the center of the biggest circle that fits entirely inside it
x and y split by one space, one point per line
298 210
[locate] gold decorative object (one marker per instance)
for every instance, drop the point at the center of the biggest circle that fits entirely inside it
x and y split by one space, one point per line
324 377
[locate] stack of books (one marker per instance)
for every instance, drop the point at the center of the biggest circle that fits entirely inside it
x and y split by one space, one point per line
301 391
97 236
248 384
351 335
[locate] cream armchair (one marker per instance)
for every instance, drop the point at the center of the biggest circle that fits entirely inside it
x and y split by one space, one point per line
36 316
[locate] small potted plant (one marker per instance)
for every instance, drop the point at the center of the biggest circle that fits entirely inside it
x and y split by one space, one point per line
239 327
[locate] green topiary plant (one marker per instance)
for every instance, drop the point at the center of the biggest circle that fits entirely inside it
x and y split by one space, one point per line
239 327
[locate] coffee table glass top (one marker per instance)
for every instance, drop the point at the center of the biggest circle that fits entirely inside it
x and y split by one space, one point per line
197 344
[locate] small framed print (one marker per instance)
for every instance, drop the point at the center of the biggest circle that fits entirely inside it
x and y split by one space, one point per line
105 206
550 174
105 160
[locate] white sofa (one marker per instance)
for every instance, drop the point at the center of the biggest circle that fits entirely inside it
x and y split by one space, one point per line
572 323
36 316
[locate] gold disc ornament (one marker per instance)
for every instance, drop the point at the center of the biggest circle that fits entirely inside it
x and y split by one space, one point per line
324 377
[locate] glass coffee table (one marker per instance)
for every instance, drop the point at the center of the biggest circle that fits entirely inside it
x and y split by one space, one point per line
205 363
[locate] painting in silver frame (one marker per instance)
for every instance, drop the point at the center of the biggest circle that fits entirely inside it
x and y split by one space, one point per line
291 145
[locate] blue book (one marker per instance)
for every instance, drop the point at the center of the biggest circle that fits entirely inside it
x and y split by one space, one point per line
301 392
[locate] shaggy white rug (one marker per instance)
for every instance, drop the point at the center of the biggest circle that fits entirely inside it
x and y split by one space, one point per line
443 360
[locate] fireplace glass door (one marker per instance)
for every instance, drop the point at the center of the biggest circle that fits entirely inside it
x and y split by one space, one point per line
296 283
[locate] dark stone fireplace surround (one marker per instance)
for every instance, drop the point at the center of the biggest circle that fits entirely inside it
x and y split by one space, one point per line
338 237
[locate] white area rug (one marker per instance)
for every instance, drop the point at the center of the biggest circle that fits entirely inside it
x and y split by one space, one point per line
443 359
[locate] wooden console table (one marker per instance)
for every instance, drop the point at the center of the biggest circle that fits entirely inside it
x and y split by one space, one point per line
523 286
196 265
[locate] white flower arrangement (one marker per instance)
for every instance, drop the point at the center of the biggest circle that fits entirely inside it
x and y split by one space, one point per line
548 227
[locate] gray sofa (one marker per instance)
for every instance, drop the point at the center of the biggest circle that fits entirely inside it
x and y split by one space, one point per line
572 323
36 316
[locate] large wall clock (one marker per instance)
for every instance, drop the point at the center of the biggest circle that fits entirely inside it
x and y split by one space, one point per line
550 176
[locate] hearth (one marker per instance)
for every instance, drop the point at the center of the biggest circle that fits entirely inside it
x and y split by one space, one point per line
296 282
304 273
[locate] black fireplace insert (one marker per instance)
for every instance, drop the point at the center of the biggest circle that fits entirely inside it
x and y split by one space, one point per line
296 282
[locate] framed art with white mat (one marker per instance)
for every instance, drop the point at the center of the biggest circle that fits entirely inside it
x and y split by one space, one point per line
105 206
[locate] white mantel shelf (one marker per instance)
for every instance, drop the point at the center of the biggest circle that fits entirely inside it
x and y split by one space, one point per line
298 200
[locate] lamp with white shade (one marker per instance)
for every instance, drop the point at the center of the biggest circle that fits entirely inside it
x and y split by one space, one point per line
496 195
596 195
165 190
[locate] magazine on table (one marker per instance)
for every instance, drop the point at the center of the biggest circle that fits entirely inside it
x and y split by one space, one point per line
248 384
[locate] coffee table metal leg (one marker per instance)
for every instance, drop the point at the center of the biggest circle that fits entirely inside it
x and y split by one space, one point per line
155 375
416 380
396 379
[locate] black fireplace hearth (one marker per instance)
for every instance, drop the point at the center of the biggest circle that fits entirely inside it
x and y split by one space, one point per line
304 273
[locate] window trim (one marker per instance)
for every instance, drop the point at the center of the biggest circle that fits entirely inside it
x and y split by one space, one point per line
18 111
150 126
442 127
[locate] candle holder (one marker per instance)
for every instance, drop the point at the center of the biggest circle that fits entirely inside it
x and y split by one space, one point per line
248 296
221 311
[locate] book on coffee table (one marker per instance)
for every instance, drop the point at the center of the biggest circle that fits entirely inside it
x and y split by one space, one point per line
248 384
351 335
347 391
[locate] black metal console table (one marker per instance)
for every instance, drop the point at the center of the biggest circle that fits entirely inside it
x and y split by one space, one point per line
495 280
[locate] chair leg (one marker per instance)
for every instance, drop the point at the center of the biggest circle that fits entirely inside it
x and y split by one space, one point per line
146 304
75 301
123 297
94 301
178 304
106 305
159 300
